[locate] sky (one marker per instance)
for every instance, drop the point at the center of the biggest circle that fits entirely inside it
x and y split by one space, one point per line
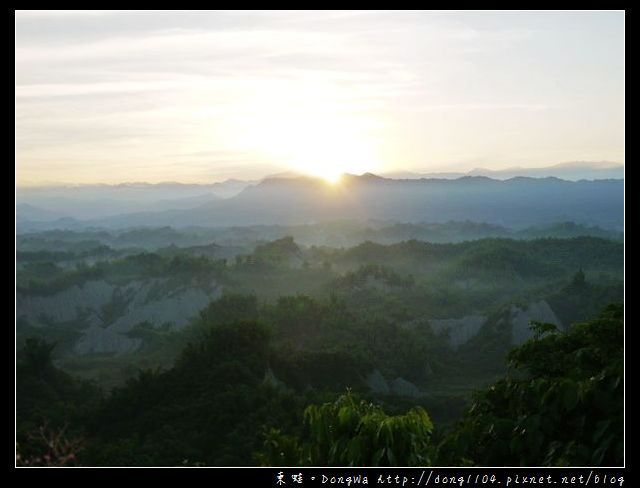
202 96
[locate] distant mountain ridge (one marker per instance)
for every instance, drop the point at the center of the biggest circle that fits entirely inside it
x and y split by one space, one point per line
516 202
573 171
86 202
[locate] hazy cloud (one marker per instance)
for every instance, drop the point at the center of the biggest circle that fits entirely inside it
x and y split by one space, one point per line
412 89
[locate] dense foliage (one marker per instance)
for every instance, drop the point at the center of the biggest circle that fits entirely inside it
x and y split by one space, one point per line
258 375
561 406
352 432
51 408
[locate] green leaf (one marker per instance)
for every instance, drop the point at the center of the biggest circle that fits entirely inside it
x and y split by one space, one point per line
375 460
391 457
601 429
570 395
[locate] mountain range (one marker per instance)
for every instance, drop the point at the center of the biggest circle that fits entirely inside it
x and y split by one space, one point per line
516 202
85 202
573 171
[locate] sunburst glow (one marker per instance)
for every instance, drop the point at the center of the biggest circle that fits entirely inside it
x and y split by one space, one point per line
310 132
328 153
202 97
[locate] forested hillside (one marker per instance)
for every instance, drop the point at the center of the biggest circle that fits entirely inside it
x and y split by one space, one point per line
185 355
230 400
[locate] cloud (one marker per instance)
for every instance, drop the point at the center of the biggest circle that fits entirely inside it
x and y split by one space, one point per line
39 14
530 107
67 89
127 87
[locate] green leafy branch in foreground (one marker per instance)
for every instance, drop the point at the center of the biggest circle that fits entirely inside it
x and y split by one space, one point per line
562 406
353 432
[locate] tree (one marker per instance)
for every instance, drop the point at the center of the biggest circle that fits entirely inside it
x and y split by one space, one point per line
50 408
229 308
35 356
579 279
353 432
562 405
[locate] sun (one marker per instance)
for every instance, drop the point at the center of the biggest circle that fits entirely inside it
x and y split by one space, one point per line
332 178
324 140
330 150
